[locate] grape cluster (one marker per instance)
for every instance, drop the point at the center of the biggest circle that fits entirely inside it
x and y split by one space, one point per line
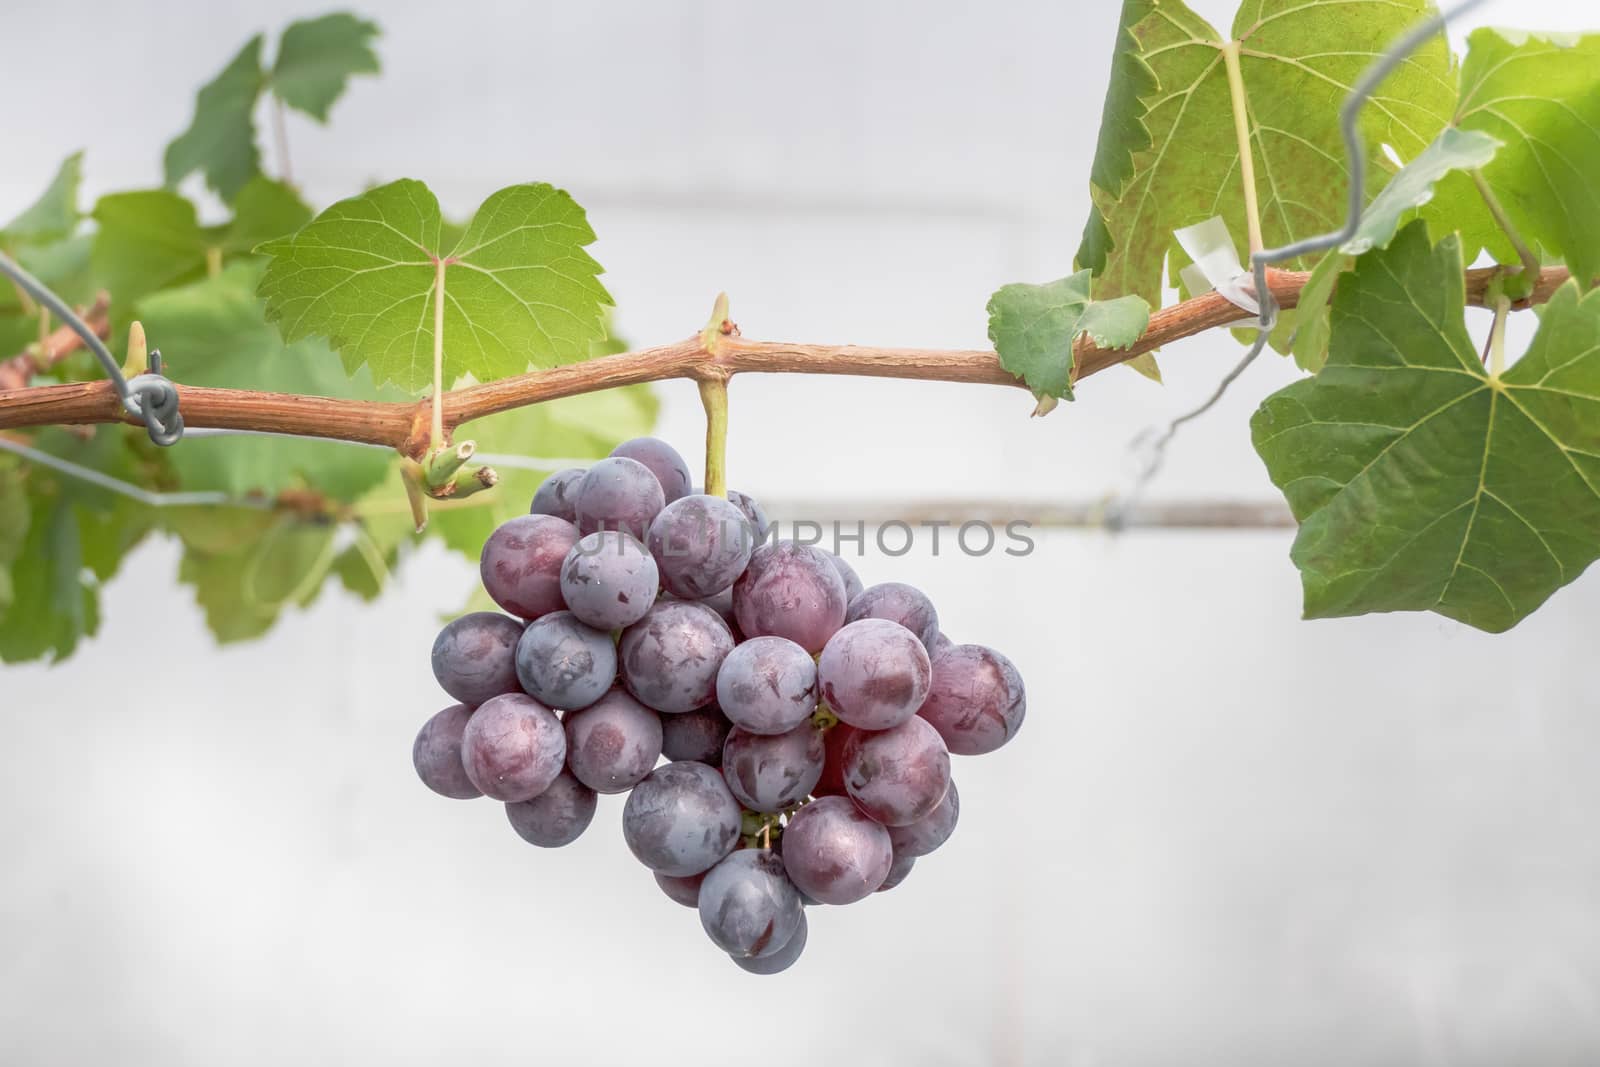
807 722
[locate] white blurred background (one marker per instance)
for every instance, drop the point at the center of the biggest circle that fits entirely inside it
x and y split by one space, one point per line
1224 836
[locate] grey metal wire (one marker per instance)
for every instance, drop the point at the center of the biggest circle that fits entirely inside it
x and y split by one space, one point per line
127 489
148 397
1356 157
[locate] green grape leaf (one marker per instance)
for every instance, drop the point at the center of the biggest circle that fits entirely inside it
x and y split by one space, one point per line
14 521
152 239
221 140
146 240
519 289
77 535
278 561
1309 340
1123 133
1540 96
1413 186
1421 481
54 215
1033 327
212 332
316 58
363 570
1298 60
263 210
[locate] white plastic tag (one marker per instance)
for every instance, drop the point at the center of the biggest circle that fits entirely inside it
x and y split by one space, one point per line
1216 266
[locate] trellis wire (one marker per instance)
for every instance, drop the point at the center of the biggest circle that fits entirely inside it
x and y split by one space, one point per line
149 397
128 489
1356 157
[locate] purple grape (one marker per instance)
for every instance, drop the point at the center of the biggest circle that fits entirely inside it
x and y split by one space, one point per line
940 643
681 819
897 872
475 656
618 494
701 544
556 493
521 564
768 685
930 831
513 747
791 591
613 743
747 905
897 776
685 891
609 580
977 701
556 817
773 773
780 960
436 754
897 602
852 581
752 510
663 461
564 663
671 656
695 735
874 674
834 852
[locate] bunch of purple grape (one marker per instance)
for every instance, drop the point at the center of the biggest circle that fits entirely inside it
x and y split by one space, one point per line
808 722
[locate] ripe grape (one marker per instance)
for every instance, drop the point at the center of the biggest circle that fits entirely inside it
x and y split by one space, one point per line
940 643
685 891
663 461
475 656
897 776
834 852
897 602
609 580
831 784
613 743
618 494
852 581
768 685
897 871
521 563
436 754
930 831
874 674
977 701
695 735
513 747
681 819
773 773
753 511
564 663
747 905
556 817
671 656
780 960
701 545
791 591
556 494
